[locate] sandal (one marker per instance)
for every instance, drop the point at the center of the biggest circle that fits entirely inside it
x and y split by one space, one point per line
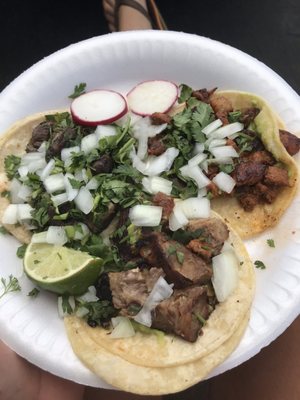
152 14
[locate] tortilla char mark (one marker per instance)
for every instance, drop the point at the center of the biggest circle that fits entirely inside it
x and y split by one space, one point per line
187 266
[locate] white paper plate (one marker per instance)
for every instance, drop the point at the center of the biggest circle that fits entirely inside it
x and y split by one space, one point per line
119 61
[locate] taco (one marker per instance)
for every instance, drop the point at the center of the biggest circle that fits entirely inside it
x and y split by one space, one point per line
137 234
266 175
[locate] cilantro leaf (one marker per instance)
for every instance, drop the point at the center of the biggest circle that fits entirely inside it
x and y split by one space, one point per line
259 264
3 230
271 242
21 250
11 286
78 90
11 165
33 293
185 93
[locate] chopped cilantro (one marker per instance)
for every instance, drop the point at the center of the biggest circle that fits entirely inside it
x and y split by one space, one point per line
259 264
185 93
171 250
180 256
21 250
11 165
33 293
78 90
11 286
3 230
271 242
200 318
227 168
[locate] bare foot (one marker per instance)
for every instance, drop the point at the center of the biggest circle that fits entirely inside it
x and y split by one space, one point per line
129 18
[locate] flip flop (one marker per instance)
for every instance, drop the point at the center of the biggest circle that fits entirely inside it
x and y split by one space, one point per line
153 14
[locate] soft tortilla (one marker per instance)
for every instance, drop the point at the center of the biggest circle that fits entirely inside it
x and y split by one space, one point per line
248 224
14 141
147 350
144 380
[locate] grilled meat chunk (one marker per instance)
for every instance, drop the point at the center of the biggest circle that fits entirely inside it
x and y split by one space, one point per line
249 173
131 288
40 134
249 115
276 176
164 201
260 156
156 146
183 313
103 165
158 118
290 142
212 235
221 106
181 266
203 94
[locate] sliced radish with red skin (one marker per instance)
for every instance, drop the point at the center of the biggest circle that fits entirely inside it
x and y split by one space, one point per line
152 96
98 107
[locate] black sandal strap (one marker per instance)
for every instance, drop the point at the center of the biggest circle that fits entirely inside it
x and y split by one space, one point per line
129 3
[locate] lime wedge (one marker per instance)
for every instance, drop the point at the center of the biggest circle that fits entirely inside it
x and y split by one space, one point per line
60 269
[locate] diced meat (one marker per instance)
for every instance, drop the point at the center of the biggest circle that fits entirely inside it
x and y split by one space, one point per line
203 94
59 139
211 235
268 194
213 170
97 222
248 201
181 266
213 189
183 313
249 173
160 118
103 165
290 142
221 103
40 134
131 288
276 176
260 156
230 142
249 115
164 201
156 146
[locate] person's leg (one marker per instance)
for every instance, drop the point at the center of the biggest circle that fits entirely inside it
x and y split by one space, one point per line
129 18
273 374
20 380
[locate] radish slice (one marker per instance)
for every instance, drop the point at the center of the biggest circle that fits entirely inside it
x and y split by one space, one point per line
152 96
98 107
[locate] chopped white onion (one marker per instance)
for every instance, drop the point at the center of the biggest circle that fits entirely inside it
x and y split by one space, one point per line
93 184
212 127
81 175
155 184
24 212
225 274
15 187
161 291
42 148
105 131
84 200
10 215
47 169
23 171
155 165
71 192
142 149
144 127
122 328
228 130
59 199
177 218
28 158
219 160
88 296
54 183
199 148
195 173
145 215
215 143
197 159
67 152
224 151
195 207
40 237
202 192
80 235
81 312
56 235
224 182
89 142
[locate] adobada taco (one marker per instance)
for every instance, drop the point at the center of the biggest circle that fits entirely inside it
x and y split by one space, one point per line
265 173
